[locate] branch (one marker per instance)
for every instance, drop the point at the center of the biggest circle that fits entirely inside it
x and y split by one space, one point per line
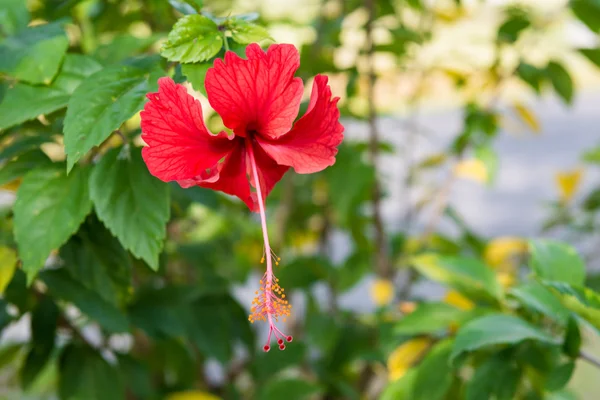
589 358
383 264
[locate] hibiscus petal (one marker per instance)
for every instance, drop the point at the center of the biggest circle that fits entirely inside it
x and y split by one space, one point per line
311 145
179 145
232 177
259 93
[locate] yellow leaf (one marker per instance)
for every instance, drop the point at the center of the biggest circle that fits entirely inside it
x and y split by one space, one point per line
382 292
457 300
506 279
405 355
528 117
568 183
12 186
8 265
473 169
503 253
192 395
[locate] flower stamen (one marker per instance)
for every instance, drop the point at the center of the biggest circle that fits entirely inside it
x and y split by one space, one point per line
270 303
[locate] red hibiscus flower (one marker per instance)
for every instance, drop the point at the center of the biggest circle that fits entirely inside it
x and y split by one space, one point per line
258 98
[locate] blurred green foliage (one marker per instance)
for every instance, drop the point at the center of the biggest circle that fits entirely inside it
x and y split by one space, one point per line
131 287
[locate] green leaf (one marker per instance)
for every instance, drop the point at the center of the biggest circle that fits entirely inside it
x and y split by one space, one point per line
196 74
84 374
434 374
531 75
536 297
556 261
592 156
193 38
497 329
400 389
496 378
510 30
63 286
560 376
34 54
43 329
100 105
24 102
267 365
244 32
572 342
131 203
467 275
22 144
592 54
8 265
592 201
302 272
123 46
14 16
137 376
588 12
430 318
290 389
582 301
21 165
561 80
48 198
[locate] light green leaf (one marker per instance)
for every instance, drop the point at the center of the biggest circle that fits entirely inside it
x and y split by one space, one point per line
536 297
13 16
561 80
467 275
400 389
34 54
430 318
581 300
497 329
24 102
290 389
48 198
556 261
245 32
100 105
193 38
131 203
8 265
434 374
61 285
196 74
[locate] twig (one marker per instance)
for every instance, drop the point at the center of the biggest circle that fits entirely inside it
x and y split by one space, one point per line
383 264
589 358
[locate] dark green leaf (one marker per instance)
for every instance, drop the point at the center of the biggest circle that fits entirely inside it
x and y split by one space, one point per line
434 374
510 30
48 198
495 330
43 329
194 38
592 201
430 318
289 388
84 374
531 75
302 272
100 105
122 47
245 32
137 377
196 73
25 102
63 286
588 12
34 54
133 204
592 54
23 144
536 297
560 376
268 364
561 80
556 261
467 275
496 378
21 165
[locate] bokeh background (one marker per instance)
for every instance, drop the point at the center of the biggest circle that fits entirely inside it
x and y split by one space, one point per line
471 127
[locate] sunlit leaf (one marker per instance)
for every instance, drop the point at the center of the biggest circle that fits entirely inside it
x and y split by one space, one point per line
405 355
8 264
193 38
557 261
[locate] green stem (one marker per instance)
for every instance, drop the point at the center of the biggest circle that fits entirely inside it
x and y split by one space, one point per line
225 40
